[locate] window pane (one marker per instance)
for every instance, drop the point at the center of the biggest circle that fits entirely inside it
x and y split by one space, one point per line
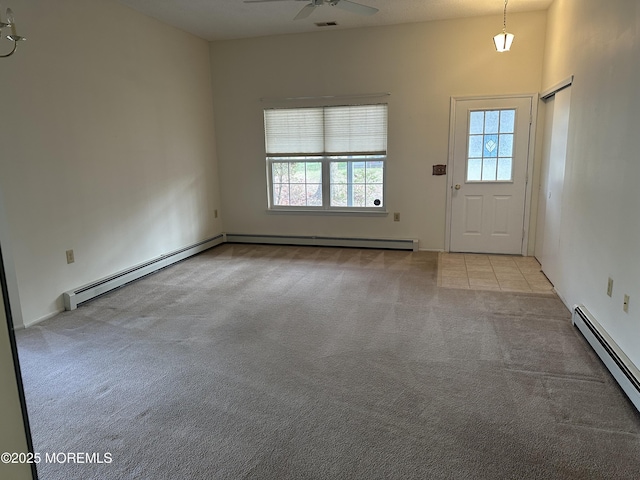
314 172
492 119
357 183
280 172
476 122
475 145
358 196
281 194
374 192
489 169
474 169
338 172
491 138
338 195
490 145
314 194
506 146
375 172
504 169
297 195
507 121
358 172
296 183
297 172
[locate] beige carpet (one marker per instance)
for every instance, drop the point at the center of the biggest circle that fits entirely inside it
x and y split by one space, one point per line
266 362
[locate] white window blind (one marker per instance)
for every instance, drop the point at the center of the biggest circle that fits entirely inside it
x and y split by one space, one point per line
356 129
326 130
294 131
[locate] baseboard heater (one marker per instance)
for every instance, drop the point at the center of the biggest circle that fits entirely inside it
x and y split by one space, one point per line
623 370
394 244
73 298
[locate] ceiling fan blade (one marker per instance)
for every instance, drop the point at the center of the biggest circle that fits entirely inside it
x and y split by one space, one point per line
305 12
354 7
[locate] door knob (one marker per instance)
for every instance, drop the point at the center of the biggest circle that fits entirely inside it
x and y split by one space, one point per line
457 187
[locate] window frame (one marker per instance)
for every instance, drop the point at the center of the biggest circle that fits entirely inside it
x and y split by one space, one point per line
326 159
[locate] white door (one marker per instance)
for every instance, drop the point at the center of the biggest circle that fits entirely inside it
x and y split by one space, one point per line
552 172
489 174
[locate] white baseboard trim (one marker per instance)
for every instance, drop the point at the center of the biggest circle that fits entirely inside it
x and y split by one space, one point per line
73 298
319 241
621 367
84 293
38 320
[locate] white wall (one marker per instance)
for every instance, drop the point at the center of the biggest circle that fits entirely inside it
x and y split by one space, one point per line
107 145
421 64
599 42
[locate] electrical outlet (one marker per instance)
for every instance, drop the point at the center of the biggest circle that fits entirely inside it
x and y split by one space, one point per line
215 213
625 304
396 217
70 257
610 287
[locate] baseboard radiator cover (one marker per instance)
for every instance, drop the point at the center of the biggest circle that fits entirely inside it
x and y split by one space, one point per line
73 298
319 241
623 370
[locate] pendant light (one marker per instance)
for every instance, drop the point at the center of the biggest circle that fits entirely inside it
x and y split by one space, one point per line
13 36
503 40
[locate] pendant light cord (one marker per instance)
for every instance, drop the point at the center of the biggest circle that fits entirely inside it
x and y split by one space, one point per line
504 21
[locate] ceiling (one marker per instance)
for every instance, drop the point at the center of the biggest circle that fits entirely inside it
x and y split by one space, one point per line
229 19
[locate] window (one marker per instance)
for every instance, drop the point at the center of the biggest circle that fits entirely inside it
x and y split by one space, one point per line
326 158
490 156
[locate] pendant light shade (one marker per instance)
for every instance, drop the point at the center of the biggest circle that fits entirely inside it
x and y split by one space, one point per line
503 40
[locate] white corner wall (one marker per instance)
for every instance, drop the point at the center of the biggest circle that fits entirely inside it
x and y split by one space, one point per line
422 65
599 42
108 148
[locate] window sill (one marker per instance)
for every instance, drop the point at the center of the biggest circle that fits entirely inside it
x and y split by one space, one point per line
310 211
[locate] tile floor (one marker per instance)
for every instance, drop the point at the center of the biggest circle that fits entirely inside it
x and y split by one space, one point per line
491 272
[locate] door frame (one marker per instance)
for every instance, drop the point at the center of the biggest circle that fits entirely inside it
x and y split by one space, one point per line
17 437
535 98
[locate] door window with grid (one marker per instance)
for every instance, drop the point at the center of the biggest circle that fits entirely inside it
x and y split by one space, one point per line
326 158
490 155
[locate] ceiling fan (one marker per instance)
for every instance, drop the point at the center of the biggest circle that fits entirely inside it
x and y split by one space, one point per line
308 9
